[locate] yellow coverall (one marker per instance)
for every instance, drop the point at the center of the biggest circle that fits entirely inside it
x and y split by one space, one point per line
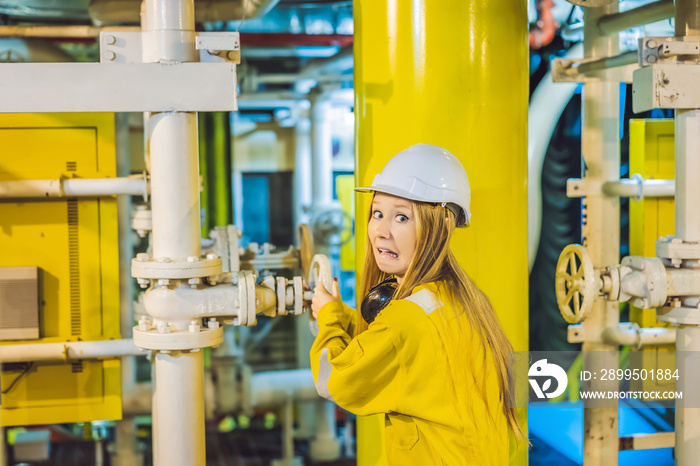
405 366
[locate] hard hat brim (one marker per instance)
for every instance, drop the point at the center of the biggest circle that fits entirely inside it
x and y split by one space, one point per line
394 191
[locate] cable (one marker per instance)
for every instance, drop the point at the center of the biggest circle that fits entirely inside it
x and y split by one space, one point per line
245 10
18 378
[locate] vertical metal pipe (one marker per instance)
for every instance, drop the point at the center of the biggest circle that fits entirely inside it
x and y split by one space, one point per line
600 140
687 132
687 148
288 433
174 185
173 138
325 447
178 403
687 159
302 201
687 449
302 191
321 151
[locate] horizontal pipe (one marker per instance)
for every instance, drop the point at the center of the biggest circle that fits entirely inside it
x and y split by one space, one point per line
70 350
626 58
639 188
630 334
682 281
267 389
106 12
105 186
272 388
62 32
649 13
73 187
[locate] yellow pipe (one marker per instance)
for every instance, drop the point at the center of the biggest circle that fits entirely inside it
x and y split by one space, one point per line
452 73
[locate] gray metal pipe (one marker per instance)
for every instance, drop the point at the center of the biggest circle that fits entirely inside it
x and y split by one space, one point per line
623 59
649 13
117 12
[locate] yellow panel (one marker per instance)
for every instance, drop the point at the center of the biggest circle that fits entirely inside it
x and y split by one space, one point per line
652 156
75 244
344 186
452 73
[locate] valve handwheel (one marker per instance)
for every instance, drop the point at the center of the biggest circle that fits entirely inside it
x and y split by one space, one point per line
575 283
320 271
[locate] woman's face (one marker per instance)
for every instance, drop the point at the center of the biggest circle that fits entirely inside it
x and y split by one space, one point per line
392 233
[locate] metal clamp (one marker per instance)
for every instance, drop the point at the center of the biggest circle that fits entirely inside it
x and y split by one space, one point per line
675 250
219 46
659 49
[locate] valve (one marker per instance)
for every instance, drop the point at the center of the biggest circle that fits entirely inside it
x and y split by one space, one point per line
319 271
575 283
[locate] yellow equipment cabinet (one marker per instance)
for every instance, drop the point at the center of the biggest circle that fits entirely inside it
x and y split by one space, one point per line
74 245
652 156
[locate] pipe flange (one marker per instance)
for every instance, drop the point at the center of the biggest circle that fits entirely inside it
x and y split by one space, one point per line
155 338
281 296
250 311
320 271
677 314
298 296
146 267
676 250
246 299
639 180
645 283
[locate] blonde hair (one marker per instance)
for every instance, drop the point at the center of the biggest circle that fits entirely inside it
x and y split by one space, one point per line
433 261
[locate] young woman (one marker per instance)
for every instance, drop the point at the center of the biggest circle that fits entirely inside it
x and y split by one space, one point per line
434 359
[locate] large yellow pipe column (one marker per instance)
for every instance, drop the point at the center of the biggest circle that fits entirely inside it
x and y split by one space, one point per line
452 73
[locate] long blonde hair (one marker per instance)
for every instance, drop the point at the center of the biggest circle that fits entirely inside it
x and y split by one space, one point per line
433 261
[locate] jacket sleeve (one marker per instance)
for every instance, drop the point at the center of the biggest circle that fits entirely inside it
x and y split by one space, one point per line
361 374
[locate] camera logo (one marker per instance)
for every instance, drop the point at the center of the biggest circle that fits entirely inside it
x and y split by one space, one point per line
543 370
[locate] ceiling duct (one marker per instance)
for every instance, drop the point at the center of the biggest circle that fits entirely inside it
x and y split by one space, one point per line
120 12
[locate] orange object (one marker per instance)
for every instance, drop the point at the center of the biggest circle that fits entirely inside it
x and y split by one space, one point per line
546 26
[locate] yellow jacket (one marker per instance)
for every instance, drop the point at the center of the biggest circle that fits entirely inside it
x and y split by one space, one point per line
403 366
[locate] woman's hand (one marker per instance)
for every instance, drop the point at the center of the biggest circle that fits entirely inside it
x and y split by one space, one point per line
323 297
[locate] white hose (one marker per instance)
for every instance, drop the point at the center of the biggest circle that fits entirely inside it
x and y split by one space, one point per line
546 106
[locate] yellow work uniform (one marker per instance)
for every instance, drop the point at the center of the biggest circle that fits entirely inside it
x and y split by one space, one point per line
403 365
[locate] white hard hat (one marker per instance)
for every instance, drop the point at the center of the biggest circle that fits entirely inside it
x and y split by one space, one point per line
426 173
